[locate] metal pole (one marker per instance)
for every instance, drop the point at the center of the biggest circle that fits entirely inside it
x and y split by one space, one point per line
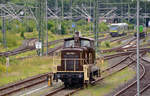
46 30
41 24
128 12
71 15
26 14
96 24
145 13
138 59
4 31
62 14
57 25
121 11
91 16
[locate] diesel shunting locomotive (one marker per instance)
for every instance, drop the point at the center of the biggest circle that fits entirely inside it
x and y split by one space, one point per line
77 62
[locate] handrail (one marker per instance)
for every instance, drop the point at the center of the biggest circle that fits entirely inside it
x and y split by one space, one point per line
84 62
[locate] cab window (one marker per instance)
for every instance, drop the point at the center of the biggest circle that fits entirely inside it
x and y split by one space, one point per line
69 43
85 43
113 28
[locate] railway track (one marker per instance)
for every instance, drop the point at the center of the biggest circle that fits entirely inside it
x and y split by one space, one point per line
121 38
129 48
14 87
123 47
124 53
124 63
64 92
27 46
130 90
144 89
50 52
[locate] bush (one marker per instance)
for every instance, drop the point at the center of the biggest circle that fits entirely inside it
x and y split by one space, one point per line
29 29
11 39
0 26
50 24
8 26
2 68
107 44
63 29
0 37
131 26
54 28
30 25
3 60
103 27
22 35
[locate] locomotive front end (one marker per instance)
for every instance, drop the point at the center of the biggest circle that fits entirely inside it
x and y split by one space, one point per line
71 70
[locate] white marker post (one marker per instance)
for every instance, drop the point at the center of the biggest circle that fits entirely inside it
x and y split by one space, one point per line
38 46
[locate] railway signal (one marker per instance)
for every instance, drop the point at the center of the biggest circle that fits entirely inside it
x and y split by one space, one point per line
141 28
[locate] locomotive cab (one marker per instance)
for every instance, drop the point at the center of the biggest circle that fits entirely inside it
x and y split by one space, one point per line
77 61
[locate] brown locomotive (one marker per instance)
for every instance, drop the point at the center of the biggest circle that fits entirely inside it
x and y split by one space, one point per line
77 62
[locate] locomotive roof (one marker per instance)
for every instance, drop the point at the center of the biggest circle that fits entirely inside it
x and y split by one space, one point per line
84 38
74 49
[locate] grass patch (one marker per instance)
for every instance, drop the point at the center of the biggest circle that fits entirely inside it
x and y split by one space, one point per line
109 53
20 69
108 85
148 54
109 45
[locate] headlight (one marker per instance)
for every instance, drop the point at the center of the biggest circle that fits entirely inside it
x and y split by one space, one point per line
80 76
58 75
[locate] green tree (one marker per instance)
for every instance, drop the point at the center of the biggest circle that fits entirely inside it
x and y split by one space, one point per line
22 35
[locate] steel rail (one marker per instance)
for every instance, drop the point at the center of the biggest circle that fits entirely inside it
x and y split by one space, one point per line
130 85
